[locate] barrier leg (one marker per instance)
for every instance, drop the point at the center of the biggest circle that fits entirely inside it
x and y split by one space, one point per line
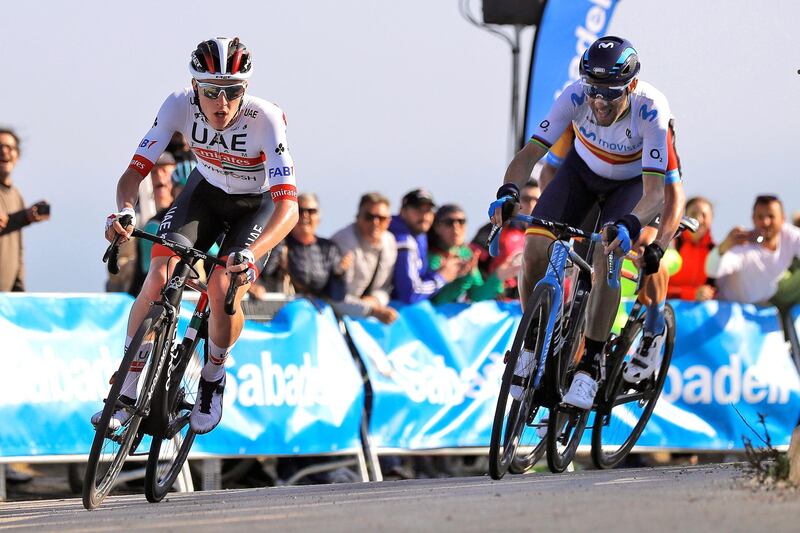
212 474
184 483
372 463
2 482
362 466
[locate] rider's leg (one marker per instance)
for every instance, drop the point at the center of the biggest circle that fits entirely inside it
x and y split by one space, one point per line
151 292
653 296
534 261
223 329
534 266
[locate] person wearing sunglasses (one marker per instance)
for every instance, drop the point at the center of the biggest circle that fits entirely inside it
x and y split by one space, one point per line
243 186
373 249
620 156
446 239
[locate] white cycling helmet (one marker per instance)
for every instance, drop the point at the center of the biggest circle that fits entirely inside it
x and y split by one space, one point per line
221 59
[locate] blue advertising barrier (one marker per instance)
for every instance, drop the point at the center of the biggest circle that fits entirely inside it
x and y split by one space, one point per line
728 357
441 392
292 385
435 373
567 29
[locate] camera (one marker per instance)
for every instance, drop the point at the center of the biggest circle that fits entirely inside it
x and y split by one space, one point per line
43 208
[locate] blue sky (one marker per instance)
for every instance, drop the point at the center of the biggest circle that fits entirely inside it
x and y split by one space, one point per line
376 98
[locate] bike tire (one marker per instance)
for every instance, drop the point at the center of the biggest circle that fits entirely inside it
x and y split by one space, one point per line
612 439
168 453
567 424
105 458
512 421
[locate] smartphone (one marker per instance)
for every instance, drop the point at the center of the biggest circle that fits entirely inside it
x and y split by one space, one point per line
43 208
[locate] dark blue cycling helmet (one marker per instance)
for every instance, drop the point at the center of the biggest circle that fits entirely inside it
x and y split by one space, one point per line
610 60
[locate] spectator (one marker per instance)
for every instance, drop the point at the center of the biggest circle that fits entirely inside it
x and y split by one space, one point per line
512 241
162 187
750 266
315 265
446 240
691 281
413 280
14 216
368 281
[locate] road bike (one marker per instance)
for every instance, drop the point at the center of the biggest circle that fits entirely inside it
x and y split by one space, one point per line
535 420
168 385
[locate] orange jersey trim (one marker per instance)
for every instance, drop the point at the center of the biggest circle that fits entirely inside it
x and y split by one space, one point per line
535 230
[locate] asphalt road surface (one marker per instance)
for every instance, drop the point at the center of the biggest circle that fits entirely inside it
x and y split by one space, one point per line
703 498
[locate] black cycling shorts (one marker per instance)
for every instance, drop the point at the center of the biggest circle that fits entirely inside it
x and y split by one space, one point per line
203 213
576 189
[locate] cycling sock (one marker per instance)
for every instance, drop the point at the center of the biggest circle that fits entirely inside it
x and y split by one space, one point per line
135 371
590 362
214 369
654 319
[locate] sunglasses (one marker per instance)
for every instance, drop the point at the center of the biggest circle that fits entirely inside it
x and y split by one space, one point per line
606 93
232 92
310 210
453 221
370 217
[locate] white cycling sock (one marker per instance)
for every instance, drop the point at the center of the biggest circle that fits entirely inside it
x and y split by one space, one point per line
214 369
132 377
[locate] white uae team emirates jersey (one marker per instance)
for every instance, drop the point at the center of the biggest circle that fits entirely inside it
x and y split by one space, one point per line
248 157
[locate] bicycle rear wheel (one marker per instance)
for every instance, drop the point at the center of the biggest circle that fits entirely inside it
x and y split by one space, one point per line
171 445
518 422
110 448
621 419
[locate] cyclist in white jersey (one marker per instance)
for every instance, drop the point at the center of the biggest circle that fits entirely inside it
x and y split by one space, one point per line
620 156
243 185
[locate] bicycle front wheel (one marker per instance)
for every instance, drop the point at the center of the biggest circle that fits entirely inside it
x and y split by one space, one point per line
110 447
518 420
171 445
620 421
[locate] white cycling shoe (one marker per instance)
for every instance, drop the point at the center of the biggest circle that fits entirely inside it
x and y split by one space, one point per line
207 411
646 359
582 391
119 417
522 370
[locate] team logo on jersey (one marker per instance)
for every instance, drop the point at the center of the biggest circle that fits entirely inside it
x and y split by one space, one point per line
655 154
647 114
280 149
588 134
628 133
544 125
155 122
578 99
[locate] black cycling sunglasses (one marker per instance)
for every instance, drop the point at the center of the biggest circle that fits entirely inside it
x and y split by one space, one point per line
606 93
212 91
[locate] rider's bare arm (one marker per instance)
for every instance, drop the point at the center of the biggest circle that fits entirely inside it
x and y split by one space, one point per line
674 204
128 188
520 168
280 224
652 198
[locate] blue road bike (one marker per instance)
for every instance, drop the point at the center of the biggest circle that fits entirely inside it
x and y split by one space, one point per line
530 417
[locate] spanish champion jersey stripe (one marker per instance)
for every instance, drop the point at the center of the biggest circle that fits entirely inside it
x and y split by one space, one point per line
608 157
541 142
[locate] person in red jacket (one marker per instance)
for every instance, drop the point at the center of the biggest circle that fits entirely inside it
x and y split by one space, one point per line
691 282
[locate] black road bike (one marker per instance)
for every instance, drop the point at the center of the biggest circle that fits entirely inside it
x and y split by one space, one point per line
167 387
